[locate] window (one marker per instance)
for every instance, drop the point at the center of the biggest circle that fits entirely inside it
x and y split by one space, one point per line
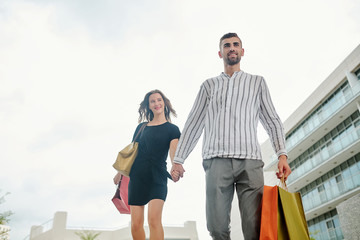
331 229
357 73
340 183
347 93
339 179
306 128
322 193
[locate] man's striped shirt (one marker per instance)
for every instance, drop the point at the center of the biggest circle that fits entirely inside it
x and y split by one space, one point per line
228 109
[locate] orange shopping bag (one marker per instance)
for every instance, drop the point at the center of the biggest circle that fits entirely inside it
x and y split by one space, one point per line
268 229
282 215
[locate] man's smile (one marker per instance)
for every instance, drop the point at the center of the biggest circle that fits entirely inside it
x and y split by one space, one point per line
232 54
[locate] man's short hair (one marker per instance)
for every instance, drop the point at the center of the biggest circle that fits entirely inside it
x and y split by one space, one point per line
228 35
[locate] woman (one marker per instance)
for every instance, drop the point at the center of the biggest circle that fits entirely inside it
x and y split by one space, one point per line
148 176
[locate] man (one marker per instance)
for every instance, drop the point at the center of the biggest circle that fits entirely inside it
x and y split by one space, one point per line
228 108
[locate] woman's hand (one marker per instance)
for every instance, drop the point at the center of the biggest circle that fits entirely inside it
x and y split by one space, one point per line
117 178
178 171
175 175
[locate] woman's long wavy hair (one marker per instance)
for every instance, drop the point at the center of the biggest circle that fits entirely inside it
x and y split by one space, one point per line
147 114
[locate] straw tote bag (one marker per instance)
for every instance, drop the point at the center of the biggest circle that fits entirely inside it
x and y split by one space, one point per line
126 157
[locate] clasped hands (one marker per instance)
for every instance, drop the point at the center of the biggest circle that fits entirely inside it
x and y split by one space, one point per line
177 172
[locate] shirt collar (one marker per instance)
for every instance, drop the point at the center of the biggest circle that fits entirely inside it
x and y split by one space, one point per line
235 73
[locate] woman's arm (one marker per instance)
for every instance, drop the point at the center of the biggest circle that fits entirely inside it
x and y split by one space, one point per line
172 149
175 175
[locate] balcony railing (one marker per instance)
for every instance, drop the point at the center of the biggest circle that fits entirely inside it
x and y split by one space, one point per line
329 234
326 112
330 191
326 152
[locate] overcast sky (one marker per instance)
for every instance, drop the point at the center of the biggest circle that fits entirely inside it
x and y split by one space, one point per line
72 75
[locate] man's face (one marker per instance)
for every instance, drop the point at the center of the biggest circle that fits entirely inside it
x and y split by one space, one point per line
231 51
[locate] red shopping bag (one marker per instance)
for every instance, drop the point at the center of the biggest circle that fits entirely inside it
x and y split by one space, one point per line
120 198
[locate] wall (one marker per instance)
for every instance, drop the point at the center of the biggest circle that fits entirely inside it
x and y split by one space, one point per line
349 212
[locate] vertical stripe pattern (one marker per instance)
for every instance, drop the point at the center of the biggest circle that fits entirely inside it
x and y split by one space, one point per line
228 109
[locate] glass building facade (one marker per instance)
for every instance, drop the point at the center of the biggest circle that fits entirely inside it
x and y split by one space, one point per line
337 182
342 96
325 227
323 144
338 139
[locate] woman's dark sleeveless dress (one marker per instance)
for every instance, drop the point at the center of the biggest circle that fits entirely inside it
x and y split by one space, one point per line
148 175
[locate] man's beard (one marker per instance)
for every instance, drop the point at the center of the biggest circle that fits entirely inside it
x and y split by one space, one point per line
232 62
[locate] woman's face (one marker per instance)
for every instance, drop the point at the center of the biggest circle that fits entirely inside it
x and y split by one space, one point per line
156 103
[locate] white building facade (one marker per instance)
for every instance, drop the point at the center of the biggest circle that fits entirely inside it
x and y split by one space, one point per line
323 144
59 231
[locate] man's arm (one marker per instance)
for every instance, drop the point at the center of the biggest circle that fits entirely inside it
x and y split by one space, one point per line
192 130
274 127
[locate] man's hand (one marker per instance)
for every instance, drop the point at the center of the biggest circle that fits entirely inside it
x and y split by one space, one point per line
177 171
283 167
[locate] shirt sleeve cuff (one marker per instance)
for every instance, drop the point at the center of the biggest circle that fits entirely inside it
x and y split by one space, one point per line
178 160
281 152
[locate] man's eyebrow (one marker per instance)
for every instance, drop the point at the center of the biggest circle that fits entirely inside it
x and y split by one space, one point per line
237 43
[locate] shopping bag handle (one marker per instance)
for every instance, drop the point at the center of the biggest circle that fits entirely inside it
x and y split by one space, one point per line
282 183
119 184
